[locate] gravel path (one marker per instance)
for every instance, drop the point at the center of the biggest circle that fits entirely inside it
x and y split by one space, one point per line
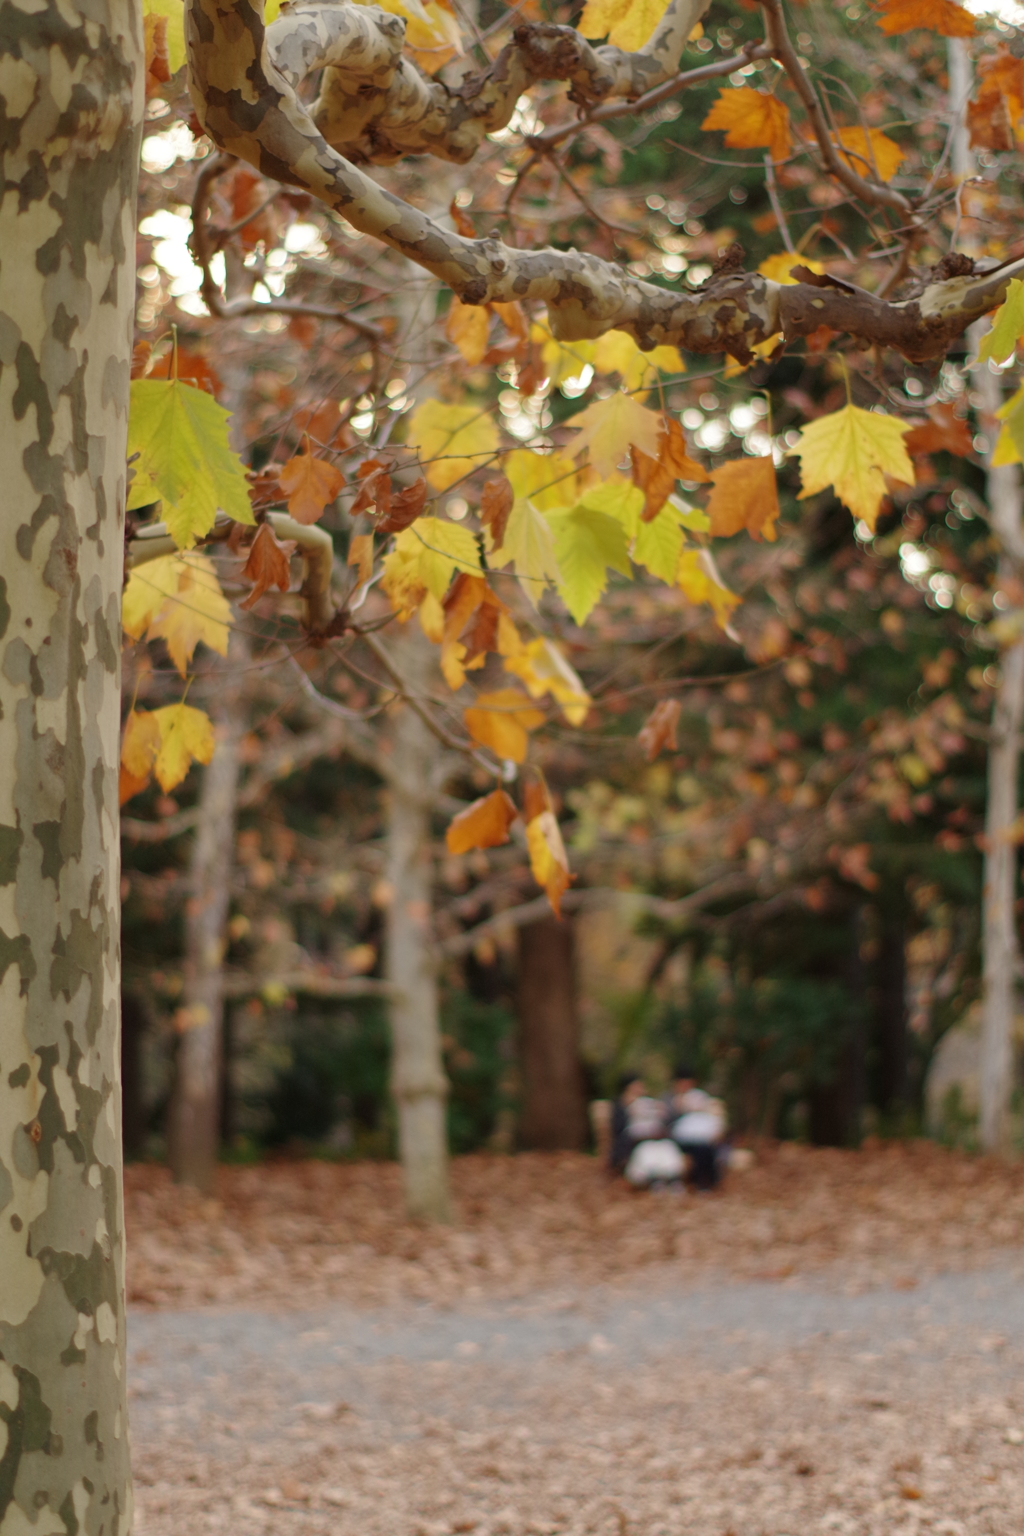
746 1409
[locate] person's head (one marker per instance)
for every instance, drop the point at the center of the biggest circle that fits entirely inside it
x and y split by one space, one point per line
631 1087
684 1077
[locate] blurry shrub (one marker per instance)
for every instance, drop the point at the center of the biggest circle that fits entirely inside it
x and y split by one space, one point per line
479 1049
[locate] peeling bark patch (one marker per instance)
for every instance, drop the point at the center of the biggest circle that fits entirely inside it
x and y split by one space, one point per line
17 951
10 850
28 1429
47 835
5 609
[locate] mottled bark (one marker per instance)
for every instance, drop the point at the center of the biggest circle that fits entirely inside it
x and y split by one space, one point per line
553 1115
418 1082
194 1128
70 115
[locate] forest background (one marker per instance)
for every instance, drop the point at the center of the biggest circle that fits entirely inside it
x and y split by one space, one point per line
779 875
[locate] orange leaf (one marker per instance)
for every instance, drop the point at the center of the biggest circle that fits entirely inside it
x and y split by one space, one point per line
469 597
942 16
484 824
943 432
995 115
467 327
744 495
311 485
463 223
548 859
495 506
193 368
158 66
659 730
502 720
375 489
404 507
657 477
752 120
513 319
248 193
139 748
360 554
267 565
871 153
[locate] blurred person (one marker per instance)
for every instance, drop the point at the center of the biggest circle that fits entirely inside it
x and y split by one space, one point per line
697 1125
636 1117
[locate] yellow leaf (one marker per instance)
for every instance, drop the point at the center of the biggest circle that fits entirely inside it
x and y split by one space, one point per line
452 440
627 24
547 479
149 587
360 554
484 824
140 744
697 579
198 610
186 736
778 267
852 450
543 668
617 352
467 327
174 10
529 546
1000 343
752 120
423 559
608 428
562 359
744 494
942 16
502 720
548 859
871 154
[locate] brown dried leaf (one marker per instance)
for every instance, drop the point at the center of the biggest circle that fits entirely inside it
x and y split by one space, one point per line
943 432
311 485
657 477
495 506
744 494
267 565
658 733
405 507
463 223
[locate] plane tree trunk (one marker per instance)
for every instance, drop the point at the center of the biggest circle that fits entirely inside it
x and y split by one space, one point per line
71 105
554 1105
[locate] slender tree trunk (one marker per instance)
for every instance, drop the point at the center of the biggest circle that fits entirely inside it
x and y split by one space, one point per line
891 1015
194 1131
71 97
554 1105
418 1081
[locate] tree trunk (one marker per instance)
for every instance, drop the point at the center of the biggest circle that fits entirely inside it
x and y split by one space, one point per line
194 1127
72 104
418 1082
554 1105
891 1015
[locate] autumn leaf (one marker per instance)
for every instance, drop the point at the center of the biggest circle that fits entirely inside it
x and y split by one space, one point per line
698 580
627 24
658 733
852 450
186 736
374 487
549 862
943 432
529 546
561 359
609 428
752 120
941 16
139 747
463 223
871 153
191 367
1009 447
744 494
495 505
403 507
267 565
543 668
587 543
779 268
452 440
423 560
360 554
996 115
547 479
484 824
177 598
502 721
1000 343
468 598
617 352
310 484
467 327
154 33
173 13
657 476
184 460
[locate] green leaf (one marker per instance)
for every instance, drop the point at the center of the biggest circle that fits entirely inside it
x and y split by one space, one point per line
659 543
180 434
694 518
530 545
587 542
1012 414
1007 325
620 499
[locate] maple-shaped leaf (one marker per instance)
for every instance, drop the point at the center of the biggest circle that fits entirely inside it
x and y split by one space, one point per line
181 437
529 546
560 360
547 479
617 352
484 824
452 440
852 450
467 327
752 120
186 736
779 268
267 565
139 747
1000 342
658 733
543 668
310 484
502 720
198 611
698 579
744 494
360 554
943 432
189 366
496 502
423 560
627 24
871 153
374 486
149 588
657 476
401 508
469 598
587 543
609 428
942 16
549 862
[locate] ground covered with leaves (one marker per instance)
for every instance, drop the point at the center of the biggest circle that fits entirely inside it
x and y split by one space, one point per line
296 1234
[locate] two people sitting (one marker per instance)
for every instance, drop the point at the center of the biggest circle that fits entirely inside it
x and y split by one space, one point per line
656 1141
